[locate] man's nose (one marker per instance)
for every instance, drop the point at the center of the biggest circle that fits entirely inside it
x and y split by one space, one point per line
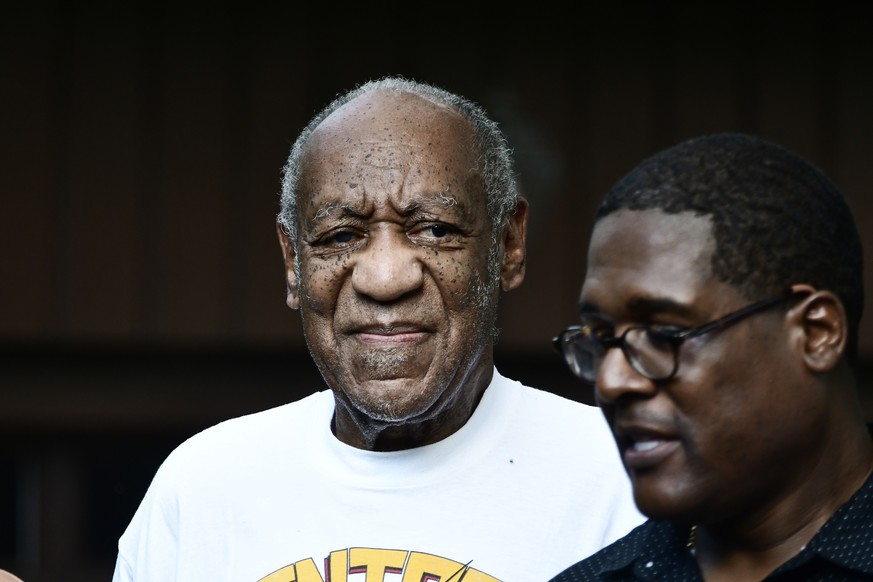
388 267
617 378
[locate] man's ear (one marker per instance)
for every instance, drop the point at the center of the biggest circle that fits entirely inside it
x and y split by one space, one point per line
825 328
288 255
514 247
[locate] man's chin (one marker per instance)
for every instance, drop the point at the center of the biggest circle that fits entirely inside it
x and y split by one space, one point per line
391 400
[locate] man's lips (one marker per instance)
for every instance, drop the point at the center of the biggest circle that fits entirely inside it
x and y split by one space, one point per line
390 334
644 446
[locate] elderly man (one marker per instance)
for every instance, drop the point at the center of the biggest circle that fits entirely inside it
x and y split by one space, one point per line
400 224
719 327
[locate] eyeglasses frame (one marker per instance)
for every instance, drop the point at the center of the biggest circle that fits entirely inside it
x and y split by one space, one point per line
676 339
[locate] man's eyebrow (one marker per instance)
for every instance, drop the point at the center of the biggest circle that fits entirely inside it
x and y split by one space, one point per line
587 308
444 199
336 209
644 306
439 201
659 305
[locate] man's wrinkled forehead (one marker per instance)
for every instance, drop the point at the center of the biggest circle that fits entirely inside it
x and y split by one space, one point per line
391 142
374 155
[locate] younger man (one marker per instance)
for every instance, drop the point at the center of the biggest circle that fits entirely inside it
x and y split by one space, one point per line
719 326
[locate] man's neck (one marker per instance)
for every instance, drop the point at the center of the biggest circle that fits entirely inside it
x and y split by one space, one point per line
754 546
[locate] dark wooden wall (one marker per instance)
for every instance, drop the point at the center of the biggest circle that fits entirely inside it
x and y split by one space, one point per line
140 154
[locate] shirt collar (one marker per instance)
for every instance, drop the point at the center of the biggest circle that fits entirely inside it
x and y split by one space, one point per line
850 527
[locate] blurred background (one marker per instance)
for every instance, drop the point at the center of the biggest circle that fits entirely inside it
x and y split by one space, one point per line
141 145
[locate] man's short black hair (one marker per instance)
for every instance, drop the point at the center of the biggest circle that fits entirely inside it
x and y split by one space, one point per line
777 219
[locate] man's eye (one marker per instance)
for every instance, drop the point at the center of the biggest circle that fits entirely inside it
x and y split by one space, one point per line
667 330
594 327
603 333
342 237
434 231
664 335
337 239
439 230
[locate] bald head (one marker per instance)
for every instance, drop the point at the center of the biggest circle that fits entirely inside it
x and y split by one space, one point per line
397 109
391 142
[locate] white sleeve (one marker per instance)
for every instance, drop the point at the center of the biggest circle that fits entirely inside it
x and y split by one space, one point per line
122 570
147 550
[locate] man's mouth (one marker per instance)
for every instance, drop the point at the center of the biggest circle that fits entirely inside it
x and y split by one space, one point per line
645 447
390 334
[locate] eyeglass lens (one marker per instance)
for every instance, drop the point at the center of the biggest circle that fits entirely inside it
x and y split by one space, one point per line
650 353
653 354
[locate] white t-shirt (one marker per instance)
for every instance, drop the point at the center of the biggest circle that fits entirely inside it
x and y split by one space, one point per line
529 485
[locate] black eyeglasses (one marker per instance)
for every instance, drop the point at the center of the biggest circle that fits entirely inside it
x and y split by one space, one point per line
652 350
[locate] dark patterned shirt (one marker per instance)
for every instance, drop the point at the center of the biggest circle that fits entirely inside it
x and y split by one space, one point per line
841 551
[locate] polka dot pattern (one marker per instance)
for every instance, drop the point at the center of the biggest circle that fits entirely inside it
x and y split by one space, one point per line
842 551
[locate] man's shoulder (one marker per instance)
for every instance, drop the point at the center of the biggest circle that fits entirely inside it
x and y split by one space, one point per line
564 412
616 556
303 408
278 424
551 400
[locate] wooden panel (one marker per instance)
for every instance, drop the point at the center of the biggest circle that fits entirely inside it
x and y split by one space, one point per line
279 100
98 220
27 138
151 140
852 153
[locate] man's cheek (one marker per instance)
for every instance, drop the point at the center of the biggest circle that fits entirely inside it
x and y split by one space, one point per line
319 293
